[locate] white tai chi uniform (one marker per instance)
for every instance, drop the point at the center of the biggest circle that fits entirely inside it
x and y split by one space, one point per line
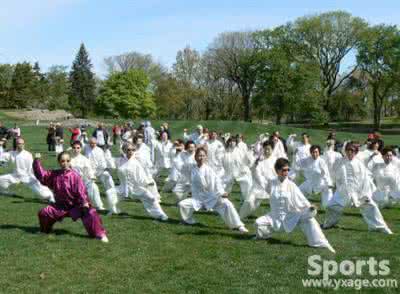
82 165
143 155
182 187
207 191
290 208
353 187
236 165
163 154
174 173
263 173
21 163
215 150
135 183
331 156
99 164
301 151
149 138
317 178
387 179
279 150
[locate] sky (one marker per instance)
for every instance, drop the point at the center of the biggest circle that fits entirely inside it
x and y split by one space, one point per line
50 31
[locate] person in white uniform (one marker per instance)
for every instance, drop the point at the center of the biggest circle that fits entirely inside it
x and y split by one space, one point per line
82 165
353 188
135 183
208 193
163 154
196 136
263 172
289 209
215 150
176 166
186 163
301 150
330 155
237 165
317 176
279 148
21 162
98 163
387 178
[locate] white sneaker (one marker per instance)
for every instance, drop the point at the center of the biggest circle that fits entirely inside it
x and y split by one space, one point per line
243 229
330 248
104 239
164 218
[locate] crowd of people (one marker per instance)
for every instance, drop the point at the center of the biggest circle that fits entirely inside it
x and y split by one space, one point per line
200 169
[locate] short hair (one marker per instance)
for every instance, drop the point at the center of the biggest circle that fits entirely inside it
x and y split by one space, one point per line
180 141
230 139
189 142
386 150
60 155
126 145
76 142
280 163
351 146
305 135
314 147
269 143
198 150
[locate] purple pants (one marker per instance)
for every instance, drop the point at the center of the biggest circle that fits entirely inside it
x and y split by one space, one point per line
49 215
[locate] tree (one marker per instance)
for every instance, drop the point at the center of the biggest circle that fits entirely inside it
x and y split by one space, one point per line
135 60
327 39
379 59
58 87
235 57
285 87
82 96
6 74
126 94
40 88
21 86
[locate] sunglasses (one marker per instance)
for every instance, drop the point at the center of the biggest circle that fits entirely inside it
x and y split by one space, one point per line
76 147
130 149
65 160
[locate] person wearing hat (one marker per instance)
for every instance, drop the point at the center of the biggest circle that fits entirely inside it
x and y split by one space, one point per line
353 188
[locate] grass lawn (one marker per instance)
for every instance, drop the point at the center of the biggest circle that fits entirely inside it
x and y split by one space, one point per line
147 256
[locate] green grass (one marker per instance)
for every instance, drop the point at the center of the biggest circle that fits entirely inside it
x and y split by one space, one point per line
147 256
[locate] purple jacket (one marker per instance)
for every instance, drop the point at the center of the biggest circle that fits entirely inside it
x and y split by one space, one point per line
67 186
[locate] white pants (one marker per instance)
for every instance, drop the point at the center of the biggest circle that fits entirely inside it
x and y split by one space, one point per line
42 191
111 193
150 202
224 207
309 226
386 199
245 183
249 206
309 188
181 190
94 194
369 210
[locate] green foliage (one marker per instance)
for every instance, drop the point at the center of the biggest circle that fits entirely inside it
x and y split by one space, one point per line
58 87
22 83
82 97
126 94
6 74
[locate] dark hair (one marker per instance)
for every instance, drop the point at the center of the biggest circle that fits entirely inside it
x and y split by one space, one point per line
230 139
386 150
269 143
314 147
76 143
280 163
351 146
61 155
305 135
198 150
180 141
189 142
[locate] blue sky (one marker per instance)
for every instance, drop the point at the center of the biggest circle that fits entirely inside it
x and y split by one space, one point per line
50 31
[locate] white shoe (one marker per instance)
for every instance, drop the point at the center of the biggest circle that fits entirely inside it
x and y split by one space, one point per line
243 229
330 248
164 218
104 239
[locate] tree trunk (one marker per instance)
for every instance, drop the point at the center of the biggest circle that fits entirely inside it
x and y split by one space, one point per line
247 107
377 108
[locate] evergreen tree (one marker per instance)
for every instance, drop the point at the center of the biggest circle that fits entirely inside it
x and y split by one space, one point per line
21 86
82 96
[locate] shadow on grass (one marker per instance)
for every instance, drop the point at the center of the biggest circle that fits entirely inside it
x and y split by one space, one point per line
36 230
